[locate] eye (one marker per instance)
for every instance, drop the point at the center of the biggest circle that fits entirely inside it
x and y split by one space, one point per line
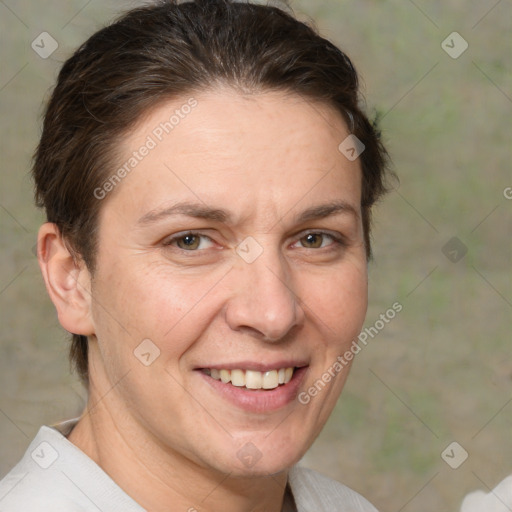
318 240
189 241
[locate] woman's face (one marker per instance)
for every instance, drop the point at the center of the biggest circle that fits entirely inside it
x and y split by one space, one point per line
233 249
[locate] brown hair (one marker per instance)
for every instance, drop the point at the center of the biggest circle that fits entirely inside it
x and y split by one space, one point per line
158 52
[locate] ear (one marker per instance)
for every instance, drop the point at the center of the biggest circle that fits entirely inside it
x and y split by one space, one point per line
67 281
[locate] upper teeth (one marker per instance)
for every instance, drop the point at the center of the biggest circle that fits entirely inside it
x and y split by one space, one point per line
252 379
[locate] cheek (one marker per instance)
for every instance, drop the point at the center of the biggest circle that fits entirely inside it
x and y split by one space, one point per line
339 302
173 307
153 302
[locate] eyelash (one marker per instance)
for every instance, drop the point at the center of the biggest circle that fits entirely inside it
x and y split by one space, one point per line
338 240
169 241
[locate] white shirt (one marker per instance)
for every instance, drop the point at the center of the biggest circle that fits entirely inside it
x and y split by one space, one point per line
55 476
498 500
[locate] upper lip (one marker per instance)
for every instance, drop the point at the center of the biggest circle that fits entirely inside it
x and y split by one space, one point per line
256 366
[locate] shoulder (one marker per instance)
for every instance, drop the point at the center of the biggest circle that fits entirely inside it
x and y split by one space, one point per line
22 490
498 500
34 485
55 476
315 492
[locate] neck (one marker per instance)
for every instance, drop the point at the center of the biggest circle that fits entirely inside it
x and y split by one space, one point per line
156 476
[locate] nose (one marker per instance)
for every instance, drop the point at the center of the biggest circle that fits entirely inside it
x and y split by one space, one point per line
264 301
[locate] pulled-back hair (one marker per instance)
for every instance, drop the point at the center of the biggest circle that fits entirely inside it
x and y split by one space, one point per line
170 49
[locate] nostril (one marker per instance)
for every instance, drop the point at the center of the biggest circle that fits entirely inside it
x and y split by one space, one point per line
263 304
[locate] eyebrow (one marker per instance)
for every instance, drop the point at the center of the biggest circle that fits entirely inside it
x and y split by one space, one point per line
326 210
202 211
197 210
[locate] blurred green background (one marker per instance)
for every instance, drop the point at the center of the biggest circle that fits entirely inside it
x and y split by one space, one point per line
441 371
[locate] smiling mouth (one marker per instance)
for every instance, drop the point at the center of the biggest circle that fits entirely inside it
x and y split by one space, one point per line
251 379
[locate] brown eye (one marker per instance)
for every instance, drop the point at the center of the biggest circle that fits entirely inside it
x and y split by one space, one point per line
188 242
312 240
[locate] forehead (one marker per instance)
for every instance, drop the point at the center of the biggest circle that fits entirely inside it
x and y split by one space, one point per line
268 150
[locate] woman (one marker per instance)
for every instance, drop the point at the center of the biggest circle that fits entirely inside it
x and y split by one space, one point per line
208 178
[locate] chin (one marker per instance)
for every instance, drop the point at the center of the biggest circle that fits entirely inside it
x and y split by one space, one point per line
259 458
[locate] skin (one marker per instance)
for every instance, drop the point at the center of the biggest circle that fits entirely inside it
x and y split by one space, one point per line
161 431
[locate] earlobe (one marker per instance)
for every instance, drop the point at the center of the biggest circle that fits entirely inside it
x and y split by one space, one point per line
67 281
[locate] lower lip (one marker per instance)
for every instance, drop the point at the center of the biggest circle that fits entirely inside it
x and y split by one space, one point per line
258 401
